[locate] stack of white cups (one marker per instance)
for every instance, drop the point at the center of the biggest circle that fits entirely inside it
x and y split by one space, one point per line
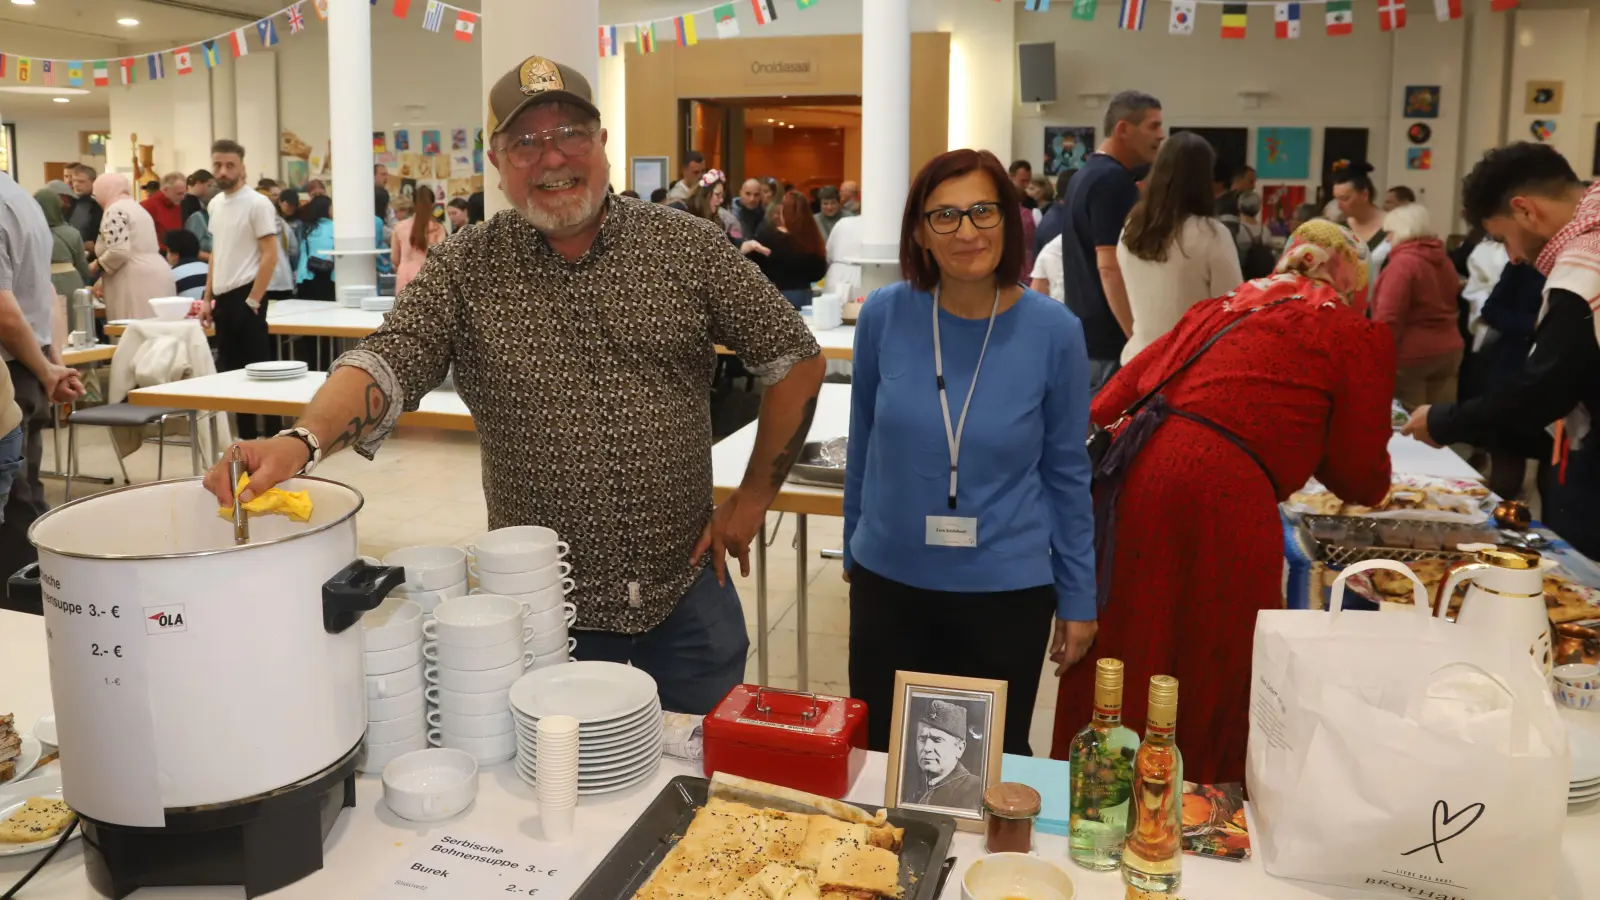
433 573
557 768
476 647
392 637
525 563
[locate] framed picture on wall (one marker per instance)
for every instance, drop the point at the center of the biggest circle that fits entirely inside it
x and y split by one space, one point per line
647 174
1066 147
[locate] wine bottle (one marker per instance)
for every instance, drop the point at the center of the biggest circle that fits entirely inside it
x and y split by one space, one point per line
1101 757
1152 861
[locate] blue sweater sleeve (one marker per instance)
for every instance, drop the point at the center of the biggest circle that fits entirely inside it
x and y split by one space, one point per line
1064 472
863 400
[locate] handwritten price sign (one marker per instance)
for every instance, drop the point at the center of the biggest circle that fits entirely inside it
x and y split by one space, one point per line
461 866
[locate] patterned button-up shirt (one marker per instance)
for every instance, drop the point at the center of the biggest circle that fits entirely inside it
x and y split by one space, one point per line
589 382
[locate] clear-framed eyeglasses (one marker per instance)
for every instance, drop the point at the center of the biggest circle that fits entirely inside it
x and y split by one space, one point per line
572 140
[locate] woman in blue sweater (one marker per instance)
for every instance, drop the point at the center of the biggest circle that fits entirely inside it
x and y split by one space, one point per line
968 522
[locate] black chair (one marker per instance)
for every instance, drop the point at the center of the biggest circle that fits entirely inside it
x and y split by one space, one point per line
126 415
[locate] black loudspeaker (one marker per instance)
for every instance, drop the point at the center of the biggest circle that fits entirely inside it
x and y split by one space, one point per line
1037 65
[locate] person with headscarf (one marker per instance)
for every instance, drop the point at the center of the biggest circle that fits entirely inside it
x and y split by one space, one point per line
1215 423
69 269
127 252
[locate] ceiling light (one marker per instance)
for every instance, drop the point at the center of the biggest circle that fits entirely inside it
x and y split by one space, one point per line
52 91
791 126
769 121
127 22
22 2
780 124
60 99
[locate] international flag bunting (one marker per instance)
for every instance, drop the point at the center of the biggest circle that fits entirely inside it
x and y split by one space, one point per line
158 66
297 22
208 49
1341 21
1286 21
1235 19
1083 9
321 7
766 11
1447 9
727 21
74 73
466 23
683 29
646 37
608 40
434 17
102 74
805 4
402 8
267 32
1502 5
184 60
1391 14
237 43
24 69
1182 21
47 72
1036 5
126 65
4 61
1132 16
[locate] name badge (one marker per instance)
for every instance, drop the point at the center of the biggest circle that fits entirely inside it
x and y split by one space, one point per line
952 531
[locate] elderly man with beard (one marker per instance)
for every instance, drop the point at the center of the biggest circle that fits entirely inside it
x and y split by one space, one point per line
582 327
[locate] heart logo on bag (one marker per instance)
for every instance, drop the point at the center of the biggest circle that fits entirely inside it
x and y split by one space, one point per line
1442 818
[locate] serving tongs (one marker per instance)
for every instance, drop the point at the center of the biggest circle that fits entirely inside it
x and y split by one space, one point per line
241 519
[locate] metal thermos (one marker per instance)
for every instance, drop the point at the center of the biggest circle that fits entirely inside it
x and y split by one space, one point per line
80 319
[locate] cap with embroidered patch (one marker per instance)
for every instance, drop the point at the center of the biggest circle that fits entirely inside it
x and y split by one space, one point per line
537 80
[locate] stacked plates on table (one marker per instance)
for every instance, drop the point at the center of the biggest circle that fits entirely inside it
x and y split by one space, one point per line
277 370
619 722
377 304
1585 787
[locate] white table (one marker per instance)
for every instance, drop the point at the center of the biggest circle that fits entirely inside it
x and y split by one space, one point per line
1412 457
368 840
236 392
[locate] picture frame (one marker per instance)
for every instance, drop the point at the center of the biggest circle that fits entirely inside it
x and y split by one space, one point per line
945 743
1544 98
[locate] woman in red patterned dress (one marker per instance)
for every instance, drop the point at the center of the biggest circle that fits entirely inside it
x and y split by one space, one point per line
1300 387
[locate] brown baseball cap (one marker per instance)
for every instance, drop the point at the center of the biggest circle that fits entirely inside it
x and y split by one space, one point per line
537 80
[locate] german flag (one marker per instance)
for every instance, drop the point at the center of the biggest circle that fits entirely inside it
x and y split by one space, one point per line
1235 18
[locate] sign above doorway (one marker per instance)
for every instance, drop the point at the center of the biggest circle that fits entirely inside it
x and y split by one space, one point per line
782 71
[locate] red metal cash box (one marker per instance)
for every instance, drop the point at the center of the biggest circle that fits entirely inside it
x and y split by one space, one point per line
809 742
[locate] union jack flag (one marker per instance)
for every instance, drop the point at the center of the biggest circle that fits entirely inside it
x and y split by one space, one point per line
297 23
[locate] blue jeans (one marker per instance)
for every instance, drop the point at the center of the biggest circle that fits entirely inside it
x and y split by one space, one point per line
696 655
10 465
799 298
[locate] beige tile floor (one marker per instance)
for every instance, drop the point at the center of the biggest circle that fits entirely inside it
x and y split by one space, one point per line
425 488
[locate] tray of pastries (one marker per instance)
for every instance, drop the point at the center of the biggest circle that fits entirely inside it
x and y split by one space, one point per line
1420 497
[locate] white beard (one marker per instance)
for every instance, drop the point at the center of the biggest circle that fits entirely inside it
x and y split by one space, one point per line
569 213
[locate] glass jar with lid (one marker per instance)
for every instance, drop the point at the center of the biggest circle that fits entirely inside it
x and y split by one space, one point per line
1009 809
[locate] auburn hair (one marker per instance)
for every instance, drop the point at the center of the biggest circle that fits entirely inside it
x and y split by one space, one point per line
916 262
802 226
422 201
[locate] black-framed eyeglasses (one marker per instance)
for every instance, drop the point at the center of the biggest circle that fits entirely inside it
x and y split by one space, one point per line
948 219
572 140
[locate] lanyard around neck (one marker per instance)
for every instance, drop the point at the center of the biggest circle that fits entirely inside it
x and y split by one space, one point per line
953 437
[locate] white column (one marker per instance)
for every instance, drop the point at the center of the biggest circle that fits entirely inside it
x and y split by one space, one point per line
350 134
565 31
886 127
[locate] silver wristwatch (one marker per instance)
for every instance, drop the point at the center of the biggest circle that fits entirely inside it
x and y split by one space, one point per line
312 445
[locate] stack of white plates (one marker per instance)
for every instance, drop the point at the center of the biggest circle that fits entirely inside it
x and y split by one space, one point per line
377 304
1585 787
277 370
619 721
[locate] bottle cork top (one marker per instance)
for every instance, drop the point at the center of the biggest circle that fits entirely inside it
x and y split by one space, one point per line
1163 709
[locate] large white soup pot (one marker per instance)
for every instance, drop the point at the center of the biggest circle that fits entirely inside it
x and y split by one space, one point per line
187 670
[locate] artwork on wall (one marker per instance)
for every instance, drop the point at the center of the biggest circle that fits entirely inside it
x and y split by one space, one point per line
430 142
1542 129
1278 203
296 172
1066 147
1422 101
458 139
402 140
1283 153
441 166
1419 133
1544 98
411 165
1419 158
380 142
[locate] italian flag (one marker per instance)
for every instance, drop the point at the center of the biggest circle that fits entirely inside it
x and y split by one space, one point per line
102 74
1341 21
766 12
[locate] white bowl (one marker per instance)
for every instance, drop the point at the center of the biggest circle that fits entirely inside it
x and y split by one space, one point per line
477 659
561 655
525 582
1015 876
1577 698
1584 676
538 601
385 662
551 643
479 704
429 568
475 681
465 725
430 600
486 750
553 619
521 548
395 707
374 756
171 309
395 622
395 729
478 620
394 684
430 785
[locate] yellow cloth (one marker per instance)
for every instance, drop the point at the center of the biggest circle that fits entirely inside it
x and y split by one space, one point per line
294 504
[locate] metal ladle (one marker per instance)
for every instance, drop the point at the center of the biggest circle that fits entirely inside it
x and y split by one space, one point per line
241 520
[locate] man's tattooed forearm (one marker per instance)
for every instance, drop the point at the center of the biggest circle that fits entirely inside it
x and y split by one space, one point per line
791 451
377 408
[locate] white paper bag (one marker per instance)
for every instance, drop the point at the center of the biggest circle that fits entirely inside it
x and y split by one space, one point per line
1379 761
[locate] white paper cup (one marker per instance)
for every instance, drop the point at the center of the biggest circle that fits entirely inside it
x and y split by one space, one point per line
552 643
386 662
562 616
538 601
429 568
430 785
396 622
472 726
395 707
562 655
486 750
481 704
477 659
524 582
478 620
394 684
394 729
475 681
374 756
522 548
556 821
429 600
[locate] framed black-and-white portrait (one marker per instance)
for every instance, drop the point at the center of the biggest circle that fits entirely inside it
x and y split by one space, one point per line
945 744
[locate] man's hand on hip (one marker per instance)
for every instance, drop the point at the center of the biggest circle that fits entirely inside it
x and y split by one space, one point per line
269 461
733 524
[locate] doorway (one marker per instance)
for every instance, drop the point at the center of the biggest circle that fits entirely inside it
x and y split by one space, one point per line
807 142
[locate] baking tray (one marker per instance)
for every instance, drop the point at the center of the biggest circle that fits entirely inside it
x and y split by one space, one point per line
630 863
814 468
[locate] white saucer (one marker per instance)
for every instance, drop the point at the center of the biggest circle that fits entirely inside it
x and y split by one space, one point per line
592 692
13 796
1585 755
